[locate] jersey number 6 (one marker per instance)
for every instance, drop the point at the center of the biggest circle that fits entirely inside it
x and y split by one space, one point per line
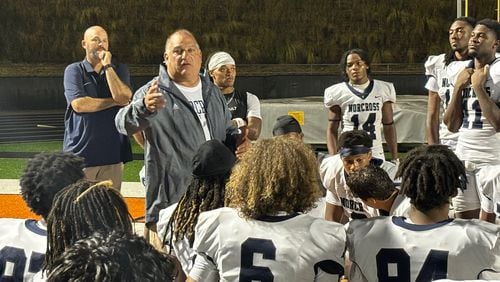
250 272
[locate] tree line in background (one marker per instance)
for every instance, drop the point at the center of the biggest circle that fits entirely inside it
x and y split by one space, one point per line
254 31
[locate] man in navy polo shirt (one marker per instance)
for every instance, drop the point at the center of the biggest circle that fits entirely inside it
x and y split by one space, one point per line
95 89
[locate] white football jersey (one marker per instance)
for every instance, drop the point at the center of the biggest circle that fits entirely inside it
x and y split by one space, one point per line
392 249
489 183
180 248
442 80
478 141
333 177
22 248
401 206
276 248
362 110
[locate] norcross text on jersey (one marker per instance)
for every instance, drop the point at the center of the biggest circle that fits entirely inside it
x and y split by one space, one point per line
364 107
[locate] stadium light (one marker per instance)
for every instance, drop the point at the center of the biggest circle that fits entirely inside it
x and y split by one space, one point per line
459 8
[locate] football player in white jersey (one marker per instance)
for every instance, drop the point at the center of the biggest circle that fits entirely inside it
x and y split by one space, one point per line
373 185
288 126
115 256
361 103
474 112
78 211
263 234
428 245
212 165
23 241
442 71
355 153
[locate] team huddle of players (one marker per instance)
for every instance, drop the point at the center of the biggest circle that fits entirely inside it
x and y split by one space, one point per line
250 220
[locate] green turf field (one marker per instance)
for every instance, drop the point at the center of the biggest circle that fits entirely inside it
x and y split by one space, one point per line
46 146
11 168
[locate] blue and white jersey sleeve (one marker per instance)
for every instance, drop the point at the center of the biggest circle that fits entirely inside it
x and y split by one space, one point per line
387 90
333 95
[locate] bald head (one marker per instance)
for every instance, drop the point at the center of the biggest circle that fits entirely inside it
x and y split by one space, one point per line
177 33
89 32
183 58
95 42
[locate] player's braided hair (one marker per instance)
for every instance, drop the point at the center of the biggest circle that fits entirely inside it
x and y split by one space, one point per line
430 175
202 194
361 53
45 175
115 256
275 175
80 210
450 56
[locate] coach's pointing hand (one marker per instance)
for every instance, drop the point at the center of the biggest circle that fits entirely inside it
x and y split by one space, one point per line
154 100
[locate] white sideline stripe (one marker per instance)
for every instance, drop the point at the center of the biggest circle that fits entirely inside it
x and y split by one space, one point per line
129 189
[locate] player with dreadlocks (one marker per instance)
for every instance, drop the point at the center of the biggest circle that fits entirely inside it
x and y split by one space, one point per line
22 242
428 245
80 210
212 165
115 256
268 192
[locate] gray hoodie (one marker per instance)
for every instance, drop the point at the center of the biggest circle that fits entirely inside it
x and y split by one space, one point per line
173 135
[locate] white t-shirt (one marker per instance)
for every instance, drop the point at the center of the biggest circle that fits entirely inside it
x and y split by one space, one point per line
253 106
284 248
390 247
22 248
362 109
195 98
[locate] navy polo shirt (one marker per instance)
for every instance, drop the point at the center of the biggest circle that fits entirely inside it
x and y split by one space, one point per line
93 136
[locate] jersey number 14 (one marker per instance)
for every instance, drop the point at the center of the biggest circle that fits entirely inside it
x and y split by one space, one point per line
368 125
